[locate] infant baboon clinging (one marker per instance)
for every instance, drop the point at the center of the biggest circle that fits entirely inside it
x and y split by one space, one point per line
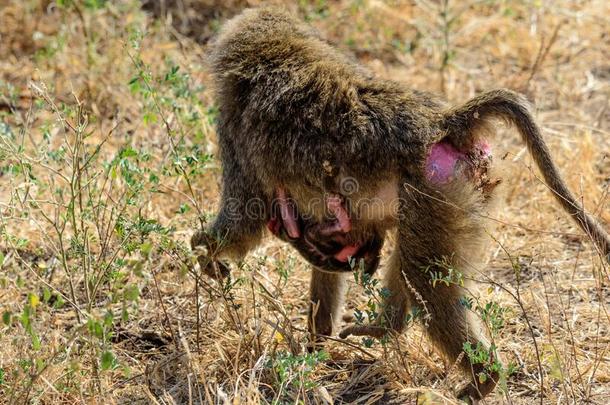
299 122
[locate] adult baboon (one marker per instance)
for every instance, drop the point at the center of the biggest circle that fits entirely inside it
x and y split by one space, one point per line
299 120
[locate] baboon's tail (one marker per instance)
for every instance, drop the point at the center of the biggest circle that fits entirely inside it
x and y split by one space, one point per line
462 124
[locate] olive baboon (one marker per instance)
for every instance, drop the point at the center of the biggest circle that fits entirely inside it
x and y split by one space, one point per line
299 120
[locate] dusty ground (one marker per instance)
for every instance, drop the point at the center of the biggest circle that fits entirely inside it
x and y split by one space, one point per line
107 162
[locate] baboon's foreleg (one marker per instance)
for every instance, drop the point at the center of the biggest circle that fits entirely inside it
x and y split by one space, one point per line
240 221
327 293
394 308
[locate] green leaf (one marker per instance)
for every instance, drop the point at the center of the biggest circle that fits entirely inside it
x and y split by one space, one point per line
149 118
25 318
107 360
146 248
59 302
46 294
183 208
6 318
35 341
131 292
127 152
95 328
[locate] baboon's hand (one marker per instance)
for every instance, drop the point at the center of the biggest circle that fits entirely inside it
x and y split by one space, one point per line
205 246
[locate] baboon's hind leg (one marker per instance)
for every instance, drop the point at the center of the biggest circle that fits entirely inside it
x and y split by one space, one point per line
452 326
436 245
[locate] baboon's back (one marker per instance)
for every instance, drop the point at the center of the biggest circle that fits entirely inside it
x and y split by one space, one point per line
287 98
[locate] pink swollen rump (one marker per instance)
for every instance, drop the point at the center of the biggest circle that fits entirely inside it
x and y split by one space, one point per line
442 161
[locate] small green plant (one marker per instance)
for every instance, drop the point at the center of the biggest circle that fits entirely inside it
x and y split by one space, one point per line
173 97
314 10
438 31
285 267
86 195
295 371
443 271
374 311
493 315
493 368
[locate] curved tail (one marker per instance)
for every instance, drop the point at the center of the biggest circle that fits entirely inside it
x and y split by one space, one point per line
465 123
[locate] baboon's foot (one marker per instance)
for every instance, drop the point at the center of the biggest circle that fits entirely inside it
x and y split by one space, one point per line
364 330
475 391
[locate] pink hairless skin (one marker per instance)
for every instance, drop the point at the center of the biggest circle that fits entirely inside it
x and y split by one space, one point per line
347 252
443 159
342 223
289 216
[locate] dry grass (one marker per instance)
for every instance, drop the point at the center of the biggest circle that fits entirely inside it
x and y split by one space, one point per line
82 81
